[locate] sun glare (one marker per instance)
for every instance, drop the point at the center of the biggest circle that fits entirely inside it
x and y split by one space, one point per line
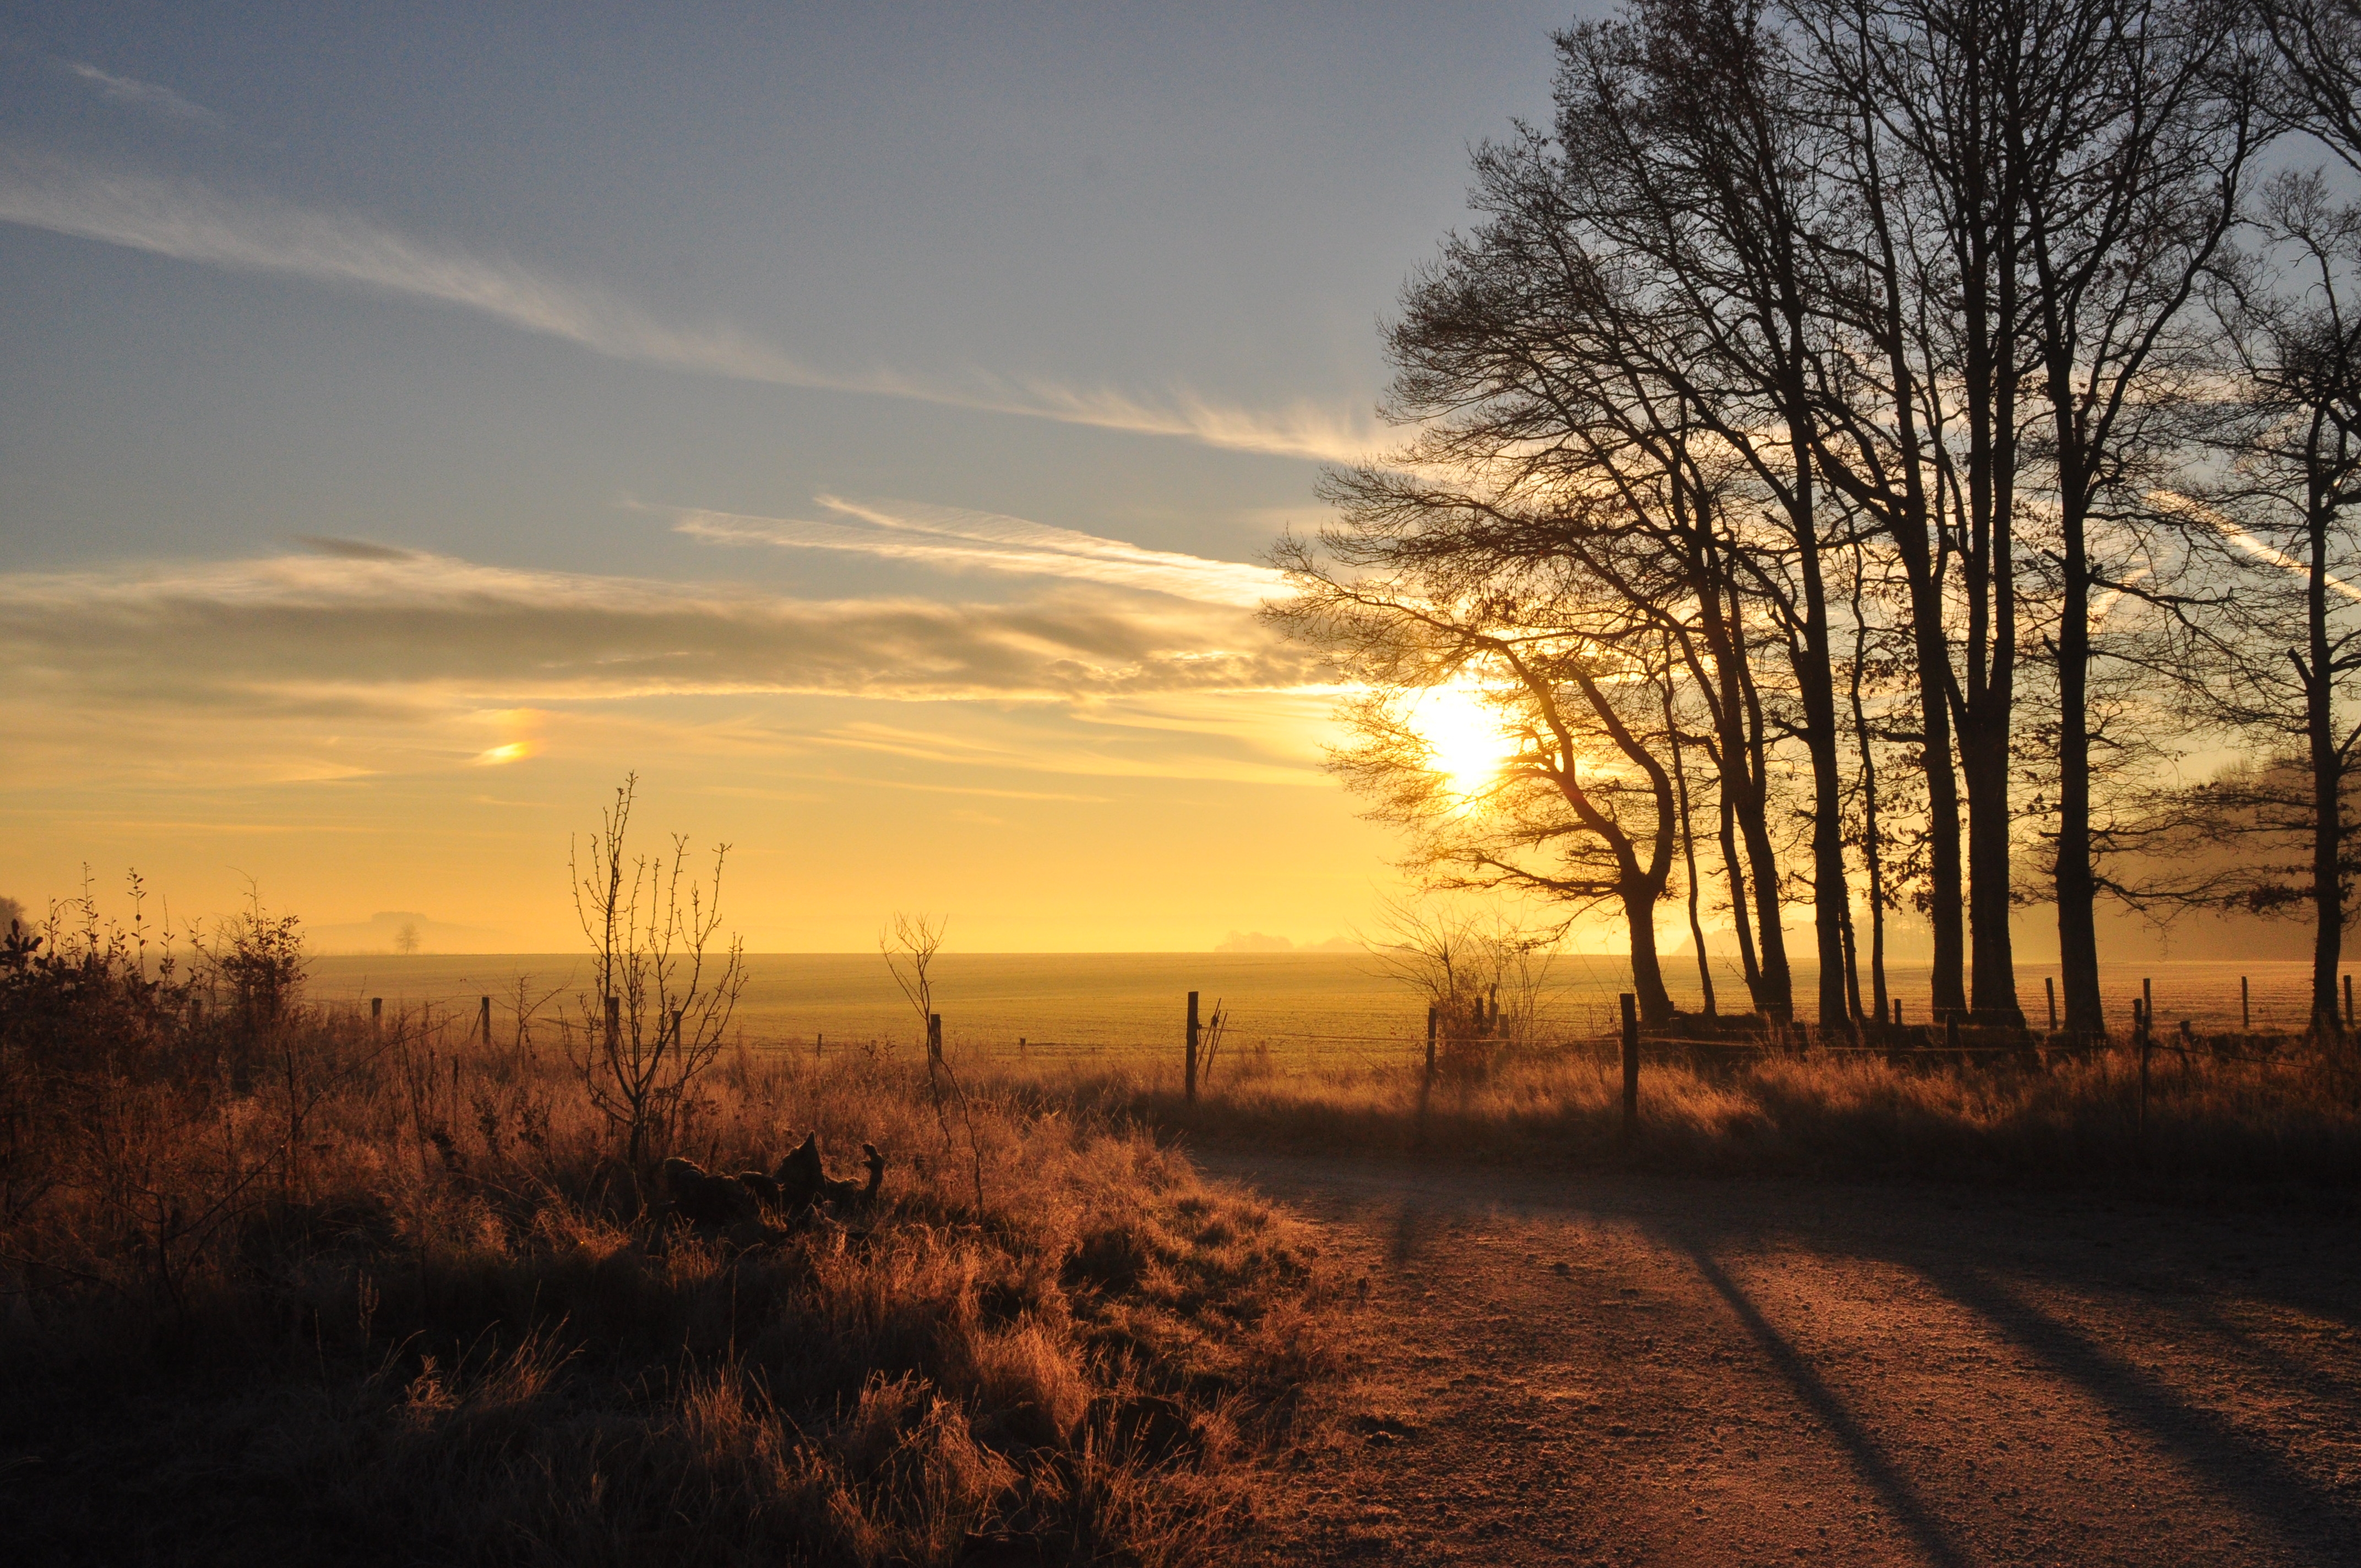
1465 741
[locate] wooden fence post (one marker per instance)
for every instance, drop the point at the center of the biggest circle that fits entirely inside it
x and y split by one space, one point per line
484 1020
819 1044
1630 1064
2348 1004
2142 1026
2245 1007
377 1012
2049 984
1426 1082
934 1039
614 1022
1191 1072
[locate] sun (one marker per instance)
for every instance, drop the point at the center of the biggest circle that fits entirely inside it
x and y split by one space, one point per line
1464 740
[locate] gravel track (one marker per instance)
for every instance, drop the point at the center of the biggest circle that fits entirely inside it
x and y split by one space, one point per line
1554 1368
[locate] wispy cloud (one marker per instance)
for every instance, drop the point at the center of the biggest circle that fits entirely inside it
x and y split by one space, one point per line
363 628
2230 528
191 223
135 94
326 666
956 538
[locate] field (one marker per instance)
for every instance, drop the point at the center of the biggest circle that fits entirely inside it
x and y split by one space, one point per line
283 1283
1308 1010
286 1277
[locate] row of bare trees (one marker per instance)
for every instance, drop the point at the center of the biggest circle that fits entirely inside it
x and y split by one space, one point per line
1868 452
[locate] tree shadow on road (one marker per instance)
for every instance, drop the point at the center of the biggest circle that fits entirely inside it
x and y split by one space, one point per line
1868 1457
2271 1491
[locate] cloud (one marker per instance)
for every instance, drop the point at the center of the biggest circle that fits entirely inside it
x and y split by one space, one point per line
351 549
191 223
352 631
954 538
312 667
138 95
2229 528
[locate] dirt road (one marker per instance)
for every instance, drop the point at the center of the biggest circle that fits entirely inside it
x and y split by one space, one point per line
1562 1369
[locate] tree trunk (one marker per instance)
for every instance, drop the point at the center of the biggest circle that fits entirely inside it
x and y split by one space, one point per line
1689 864
1816 677
1740 920
1871 837
1985 764
1647 973
2075 884
2327 776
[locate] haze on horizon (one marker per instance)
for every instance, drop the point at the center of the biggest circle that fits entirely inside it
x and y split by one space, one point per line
865 422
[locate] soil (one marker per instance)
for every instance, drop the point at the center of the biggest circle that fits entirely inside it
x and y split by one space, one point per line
1575 1368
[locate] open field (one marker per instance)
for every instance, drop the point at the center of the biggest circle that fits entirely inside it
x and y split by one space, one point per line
1307 1009
282 1281
277 1284
1610 1369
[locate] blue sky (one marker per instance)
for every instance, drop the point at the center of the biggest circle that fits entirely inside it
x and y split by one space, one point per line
863 421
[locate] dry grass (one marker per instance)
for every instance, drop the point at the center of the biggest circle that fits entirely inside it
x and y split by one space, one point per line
317 1293
2289 1120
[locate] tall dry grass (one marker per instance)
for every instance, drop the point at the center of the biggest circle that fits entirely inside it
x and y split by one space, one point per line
2247 1110
281 1286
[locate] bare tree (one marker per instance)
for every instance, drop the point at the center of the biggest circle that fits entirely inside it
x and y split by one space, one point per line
663 994
2278 663
1483 974
2132 132
2317 50
909 944
1585 813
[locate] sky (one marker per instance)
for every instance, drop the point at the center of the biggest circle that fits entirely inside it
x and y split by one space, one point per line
865 423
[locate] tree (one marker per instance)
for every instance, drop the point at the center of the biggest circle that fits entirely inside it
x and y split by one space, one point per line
661 995
1583 813
1682 161
908 945
1552 382
2278 664
2130 128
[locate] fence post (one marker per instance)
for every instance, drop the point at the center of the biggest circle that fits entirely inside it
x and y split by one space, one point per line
2245 1007
1630 1064
2143 1025
484 1019
2348 1004
614 1022
1426 1084
819 1044
2049 984
1020 1047
934 1039
377 1012
1192 1070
